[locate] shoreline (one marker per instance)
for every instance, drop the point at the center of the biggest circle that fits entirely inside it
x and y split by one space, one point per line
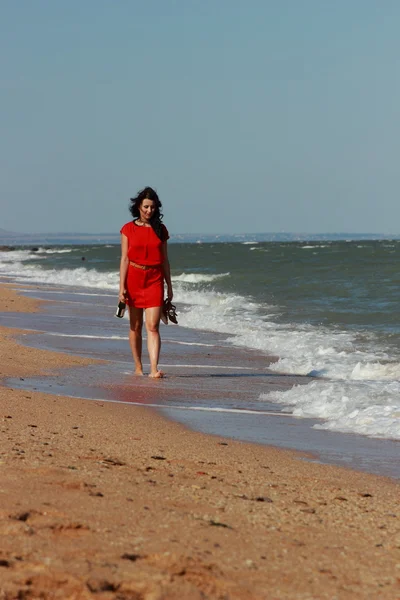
215 391
123 501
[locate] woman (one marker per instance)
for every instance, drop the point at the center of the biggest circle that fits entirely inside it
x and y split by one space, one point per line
144 267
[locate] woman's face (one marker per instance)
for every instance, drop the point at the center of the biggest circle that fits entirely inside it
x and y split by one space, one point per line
147 209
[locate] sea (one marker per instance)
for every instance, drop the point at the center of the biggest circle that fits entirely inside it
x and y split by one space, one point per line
304 332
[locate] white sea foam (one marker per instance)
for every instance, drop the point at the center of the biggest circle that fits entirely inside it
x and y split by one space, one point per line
198 277
74 293
207 366
215 311
79 277
123 337
369 408
54 251
90 337
15 256
214 409
187 343
218 409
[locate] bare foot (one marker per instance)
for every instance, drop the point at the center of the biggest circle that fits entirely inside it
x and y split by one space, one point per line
157 375
138 373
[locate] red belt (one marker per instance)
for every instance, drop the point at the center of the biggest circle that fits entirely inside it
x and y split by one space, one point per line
143 267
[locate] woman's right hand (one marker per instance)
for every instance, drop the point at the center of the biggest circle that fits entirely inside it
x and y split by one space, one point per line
122 296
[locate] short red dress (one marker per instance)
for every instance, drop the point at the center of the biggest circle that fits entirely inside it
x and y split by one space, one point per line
144 287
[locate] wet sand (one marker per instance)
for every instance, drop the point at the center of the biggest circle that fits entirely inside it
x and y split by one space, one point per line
105 500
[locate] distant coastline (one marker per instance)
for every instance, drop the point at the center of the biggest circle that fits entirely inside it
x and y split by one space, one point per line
11 239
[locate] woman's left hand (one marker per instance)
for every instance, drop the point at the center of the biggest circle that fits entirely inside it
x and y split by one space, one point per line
170 293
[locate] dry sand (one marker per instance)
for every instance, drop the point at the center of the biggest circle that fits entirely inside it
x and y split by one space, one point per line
106 501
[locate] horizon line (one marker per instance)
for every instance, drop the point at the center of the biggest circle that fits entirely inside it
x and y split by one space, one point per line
281 232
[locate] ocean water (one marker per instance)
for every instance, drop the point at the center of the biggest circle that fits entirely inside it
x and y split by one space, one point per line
327 311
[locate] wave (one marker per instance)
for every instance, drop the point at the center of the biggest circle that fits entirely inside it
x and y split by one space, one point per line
90 337
367 408
74 293
79 277
188 343
217 409
16 256
301 349
124 337
54 251
198 277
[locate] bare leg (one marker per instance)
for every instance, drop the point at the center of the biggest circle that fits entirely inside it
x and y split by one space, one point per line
135 337
153 339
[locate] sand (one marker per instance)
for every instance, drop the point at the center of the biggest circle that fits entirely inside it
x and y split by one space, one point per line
103 500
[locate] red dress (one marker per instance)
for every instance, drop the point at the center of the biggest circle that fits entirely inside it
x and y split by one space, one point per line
144 287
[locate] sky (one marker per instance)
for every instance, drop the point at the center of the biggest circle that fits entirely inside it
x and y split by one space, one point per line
246 115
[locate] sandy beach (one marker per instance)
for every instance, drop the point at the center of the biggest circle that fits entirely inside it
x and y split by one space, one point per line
110 501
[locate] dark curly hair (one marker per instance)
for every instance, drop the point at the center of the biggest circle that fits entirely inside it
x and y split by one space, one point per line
156 220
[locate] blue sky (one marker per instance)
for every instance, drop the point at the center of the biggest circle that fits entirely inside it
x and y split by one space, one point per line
246 115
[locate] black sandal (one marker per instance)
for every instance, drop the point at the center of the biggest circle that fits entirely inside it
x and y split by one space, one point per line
169 311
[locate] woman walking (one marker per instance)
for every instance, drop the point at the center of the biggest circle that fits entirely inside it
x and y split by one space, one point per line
144 268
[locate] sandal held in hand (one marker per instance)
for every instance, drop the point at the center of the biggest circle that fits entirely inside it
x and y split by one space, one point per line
169 312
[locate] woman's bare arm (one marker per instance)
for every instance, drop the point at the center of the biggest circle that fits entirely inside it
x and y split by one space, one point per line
167 272
123 267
